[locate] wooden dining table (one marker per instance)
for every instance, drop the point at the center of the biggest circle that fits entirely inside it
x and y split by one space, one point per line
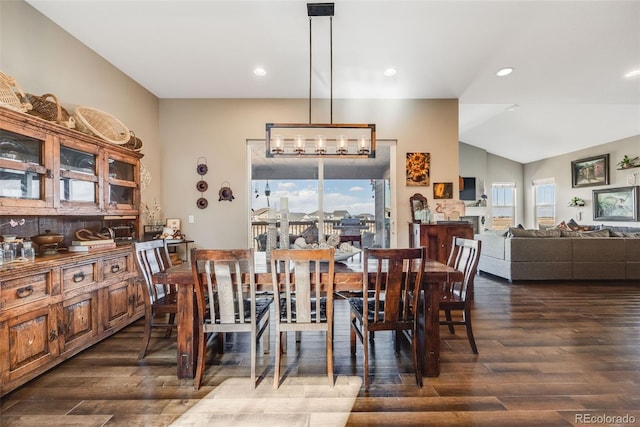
348 278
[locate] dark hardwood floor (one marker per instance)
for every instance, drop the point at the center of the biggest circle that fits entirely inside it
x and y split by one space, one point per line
551 354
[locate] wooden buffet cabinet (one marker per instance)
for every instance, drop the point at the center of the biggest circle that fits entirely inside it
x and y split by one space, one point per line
56 306
438 237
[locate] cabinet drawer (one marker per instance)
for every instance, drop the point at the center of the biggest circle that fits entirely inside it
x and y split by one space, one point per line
78 276
23 290
117 266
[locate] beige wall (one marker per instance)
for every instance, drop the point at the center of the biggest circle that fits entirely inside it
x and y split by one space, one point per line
45 59
218 130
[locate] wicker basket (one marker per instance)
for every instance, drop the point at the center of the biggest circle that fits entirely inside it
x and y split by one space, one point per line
134 142
101 124
50 110
11 94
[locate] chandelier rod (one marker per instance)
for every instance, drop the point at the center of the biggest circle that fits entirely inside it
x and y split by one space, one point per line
310 65
330 67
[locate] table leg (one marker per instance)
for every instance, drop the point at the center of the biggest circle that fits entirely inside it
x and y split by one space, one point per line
431 332
188 331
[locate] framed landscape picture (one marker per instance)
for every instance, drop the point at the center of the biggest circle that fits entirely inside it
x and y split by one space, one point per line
590 171
616 204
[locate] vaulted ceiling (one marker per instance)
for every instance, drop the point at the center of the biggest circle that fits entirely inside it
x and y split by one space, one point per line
569 59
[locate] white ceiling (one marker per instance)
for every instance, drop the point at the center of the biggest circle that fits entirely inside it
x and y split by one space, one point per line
570 58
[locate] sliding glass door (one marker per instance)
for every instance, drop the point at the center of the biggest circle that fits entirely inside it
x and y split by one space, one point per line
320 193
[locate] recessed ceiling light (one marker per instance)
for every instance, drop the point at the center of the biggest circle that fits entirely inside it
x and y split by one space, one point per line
634 73
390 72
259 71
504 72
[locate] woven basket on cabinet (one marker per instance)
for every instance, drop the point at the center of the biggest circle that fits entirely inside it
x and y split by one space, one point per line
101 124
11 94
50 110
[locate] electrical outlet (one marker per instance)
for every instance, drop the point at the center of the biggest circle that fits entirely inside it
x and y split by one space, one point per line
631 179
191 219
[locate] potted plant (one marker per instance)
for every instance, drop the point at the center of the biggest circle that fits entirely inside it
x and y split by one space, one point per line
628 162
576 201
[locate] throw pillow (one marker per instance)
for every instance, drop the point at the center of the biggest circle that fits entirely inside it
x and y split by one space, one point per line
518 232
596 233
573 225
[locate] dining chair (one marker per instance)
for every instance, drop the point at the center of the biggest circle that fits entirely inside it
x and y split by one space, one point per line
227 301
160 299
391 298
458 296
304 298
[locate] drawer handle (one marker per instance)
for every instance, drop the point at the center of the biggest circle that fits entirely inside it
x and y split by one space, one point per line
115 268
78 277
24 292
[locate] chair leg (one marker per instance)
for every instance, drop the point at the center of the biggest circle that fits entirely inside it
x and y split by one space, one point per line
254 351
415 353
447 314
148 319
365 351
276 369
266 341
172 320
467 321
200 361
353 334
330 357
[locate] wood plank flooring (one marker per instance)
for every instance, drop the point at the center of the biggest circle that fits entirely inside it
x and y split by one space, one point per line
551 354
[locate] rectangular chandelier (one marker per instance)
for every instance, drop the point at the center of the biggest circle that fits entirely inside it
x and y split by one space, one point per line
317 139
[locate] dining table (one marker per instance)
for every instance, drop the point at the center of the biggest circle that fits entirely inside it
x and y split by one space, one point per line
348 278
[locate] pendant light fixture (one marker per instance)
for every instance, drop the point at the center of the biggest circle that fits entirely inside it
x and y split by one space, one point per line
321 139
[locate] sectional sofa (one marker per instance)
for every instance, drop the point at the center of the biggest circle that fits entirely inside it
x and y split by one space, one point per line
606 254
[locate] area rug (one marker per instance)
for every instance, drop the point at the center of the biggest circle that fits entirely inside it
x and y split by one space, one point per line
299 401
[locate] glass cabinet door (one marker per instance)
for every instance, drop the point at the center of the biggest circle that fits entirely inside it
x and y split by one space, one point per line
22 170
122 184
78 176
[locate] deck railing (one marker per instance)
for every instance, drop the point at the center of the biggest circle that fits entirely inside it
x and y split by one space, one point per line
297 227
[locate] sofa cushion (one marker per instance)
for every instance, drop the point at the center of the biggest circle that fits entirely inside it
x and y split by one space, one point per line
622 234
596 233
517 232
553 249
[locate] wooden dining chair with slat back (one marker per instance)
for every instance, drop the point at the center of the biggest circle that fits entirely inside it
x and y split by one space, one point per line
227 301
458 296
391 301
160 298
304 298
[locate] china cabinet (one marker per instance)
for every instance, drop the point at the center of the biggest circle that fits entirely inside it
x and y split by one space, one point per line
55 306
46 169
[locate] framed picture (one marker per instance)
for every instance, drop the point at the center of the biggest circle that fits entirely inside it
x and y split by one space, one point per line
417 169
173 223
591 171
616 204
443 190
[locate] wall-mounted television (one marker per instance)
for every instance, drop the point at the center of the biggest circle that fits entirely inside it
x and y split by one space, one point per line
468 191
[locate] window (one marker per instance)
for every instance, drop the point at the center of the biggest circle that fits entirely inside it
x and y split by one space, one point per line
503 205
544 201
